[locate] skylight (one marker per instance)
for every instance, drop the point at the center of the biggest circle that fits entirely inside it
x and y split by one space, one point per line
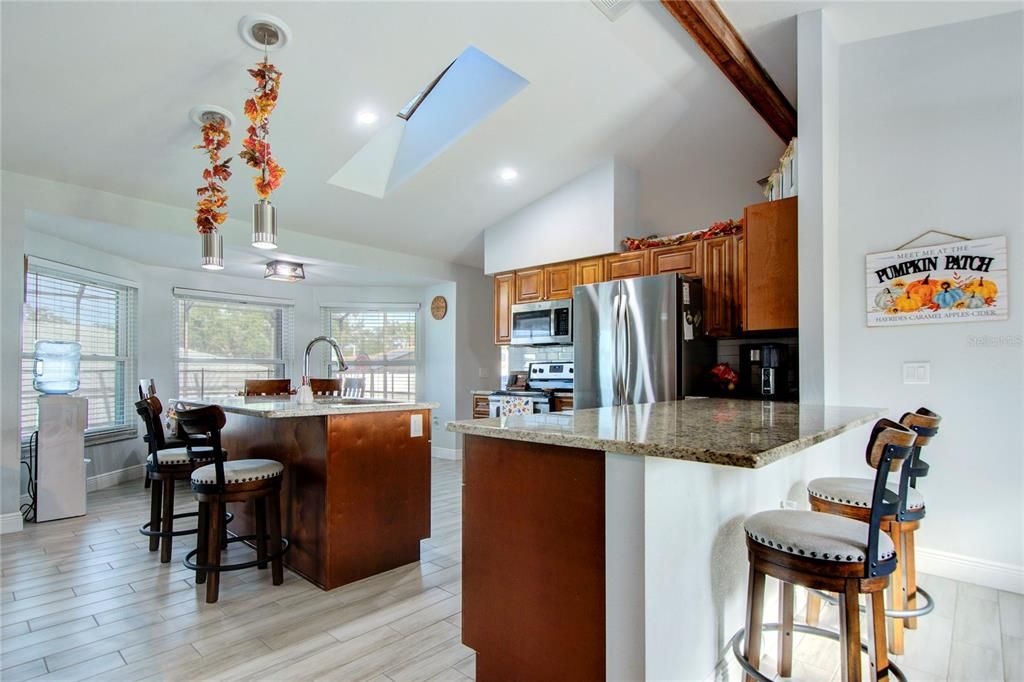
469 90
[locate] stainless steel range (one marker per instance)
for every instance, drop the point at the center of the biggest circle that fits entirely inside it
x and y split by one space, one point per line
545 378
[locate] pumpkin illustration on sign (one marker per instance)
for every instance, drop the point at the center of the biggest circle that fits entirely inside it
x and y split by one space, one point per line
256 147
985 288
924 289
948 297
907 303
974 301
886 298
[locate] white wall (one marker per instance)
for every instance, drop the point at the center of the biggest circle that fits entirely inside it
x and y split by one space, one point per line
473 364
584 217
930 136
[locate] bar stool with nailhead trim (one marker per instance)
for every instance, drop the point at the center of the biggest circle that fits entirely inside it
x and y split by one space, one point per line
240 480
835 553
851 497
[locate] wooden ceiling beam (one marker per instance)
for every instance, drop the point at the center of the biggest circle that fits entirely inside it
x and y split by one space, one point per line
715 34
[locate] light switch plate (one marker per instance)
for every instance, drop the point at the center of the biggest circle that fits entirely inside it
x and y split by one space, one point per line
416 426
917 373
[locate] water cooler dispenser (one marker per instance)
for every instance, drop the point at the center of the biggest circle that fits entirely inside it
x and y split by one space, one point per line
60 450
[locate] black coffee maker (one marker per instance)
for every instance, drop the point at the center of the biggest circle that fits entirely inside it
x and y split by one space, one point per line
764 371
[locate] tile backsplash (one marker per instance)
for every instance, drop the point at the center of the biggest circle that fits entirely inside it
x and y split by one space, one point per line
519 357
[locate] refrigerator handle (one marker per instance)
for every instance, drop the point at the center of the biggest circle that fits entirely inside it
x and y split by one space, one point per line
615 353
620 346
625 358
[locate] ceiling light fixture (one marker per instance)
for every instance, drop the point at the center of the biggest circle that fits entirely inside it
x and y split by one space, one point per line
211 207
283 271
263 32
508 174
367 118
213 251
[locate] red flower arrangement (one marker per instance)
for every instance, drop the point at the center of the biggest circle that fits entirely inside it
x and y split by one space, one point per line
720 229
213 198
256 147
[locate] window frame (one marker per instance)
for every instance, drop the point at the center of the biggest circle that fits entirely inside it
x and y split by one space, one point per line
127 344
328 364
285 345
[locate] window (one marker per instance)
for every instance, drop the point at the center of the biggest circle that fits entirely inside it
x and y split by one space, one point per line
63 303
379 343
224 340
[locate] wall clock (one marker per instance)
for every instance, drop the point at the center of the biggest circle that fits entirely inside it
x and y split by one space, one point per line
439 307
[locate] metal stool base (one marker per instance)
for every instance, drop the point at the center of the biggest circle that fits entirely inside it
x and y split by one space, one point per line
889 613
235 567
740 636
144 528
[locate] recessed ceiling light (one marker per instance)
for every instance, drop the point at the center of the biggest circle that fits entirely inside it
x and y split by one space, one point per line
366 117
508 174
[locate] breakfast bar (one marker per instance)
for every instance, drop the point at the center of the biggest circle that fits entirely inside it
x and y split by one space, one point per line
355 498
608 543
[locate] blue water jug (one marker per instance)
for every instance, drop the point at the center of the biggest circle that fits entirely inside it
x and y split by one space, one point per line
56 366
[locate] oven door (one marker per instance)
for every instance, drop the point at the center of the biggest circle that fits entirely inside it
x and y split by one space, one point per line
544 323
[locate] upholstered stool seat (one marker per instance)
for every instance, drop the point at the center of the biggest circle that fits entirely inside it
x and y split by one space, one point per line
857 491
181 455
238 471
815 535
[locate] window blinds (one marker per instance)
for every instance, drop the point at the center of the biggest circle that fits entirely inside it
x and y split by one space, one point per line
63 303
222 340
380 346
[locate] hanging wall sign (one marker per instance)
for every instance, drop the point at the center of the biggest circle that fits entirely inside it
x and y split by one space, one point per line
962 281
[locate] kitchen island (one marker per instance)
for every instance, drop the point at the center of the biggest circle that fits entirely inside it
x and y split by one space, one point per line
608 543
355 498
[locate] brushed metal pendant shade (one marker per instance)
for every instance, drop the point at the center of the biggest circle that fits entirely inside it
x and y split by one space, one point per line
264 225
213 251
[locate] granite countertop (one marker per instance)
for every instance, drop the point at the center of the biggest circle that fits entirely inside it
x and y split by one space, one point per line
278 407
740 433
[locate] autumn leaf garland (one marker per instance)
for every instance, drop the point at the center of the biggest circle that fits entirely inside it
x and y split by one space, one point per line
213 198
256 147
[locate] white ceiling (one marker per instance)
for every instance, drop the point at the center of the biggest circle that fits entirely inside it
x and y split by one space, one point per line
769 26
150 247
97 94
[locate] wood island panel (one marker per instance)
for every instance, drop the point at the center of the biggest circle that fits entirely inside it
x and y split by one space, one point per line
355 496
533 603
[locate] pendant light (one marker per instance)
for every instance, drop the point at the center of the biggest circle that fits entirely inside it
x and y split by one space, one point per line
264 32
211 206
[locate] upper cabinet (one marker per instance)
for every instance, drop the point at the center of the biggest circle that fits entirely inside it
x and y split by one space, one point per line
721 305
589 271
559 281
529 285
770 268
686 259
504 284
626 265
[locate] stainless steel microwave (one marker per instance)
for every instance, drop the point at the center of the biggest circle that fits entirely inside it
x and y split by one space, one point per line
542 323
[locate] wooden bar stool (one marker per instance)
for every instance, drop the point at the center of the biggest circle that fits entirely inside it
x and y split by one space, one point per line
255 387
851 497
828 552
325 387
165 465
240 480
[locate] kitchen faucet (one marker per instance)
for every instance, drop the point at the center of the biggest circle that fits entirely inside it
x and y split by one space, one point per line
342 365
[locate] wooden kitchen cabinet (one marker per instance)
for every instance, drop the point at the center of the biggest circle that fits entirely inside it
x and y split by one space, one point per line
626 265
559 280
589 271
720 300
529 285
481 406
769 266
561 402
504 285
686 259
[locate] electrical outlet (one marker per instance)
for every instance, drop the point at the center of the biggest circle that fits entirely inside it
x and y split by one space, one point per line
917 373
787 504
484 373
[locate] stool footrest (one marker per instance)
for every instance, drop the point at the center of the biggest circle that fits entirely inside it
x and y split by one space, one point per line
737 640
189 563
144 528
889 613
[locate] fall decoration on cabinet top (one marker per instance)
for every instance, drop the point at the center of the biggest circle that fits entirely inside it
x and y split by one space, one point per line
256 147
719 229
211 207
963 281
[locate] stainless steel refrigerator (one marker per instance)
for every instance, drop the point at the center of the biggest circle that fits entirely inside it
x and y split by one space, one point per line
638 340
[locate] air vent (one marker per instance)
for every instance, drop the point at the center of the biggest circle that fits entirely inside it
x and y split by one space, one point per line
613 9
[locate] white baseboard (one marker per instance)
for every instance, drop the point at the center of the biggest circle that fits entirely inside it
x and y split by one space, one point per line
454 454
10 523
967 569
112 478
